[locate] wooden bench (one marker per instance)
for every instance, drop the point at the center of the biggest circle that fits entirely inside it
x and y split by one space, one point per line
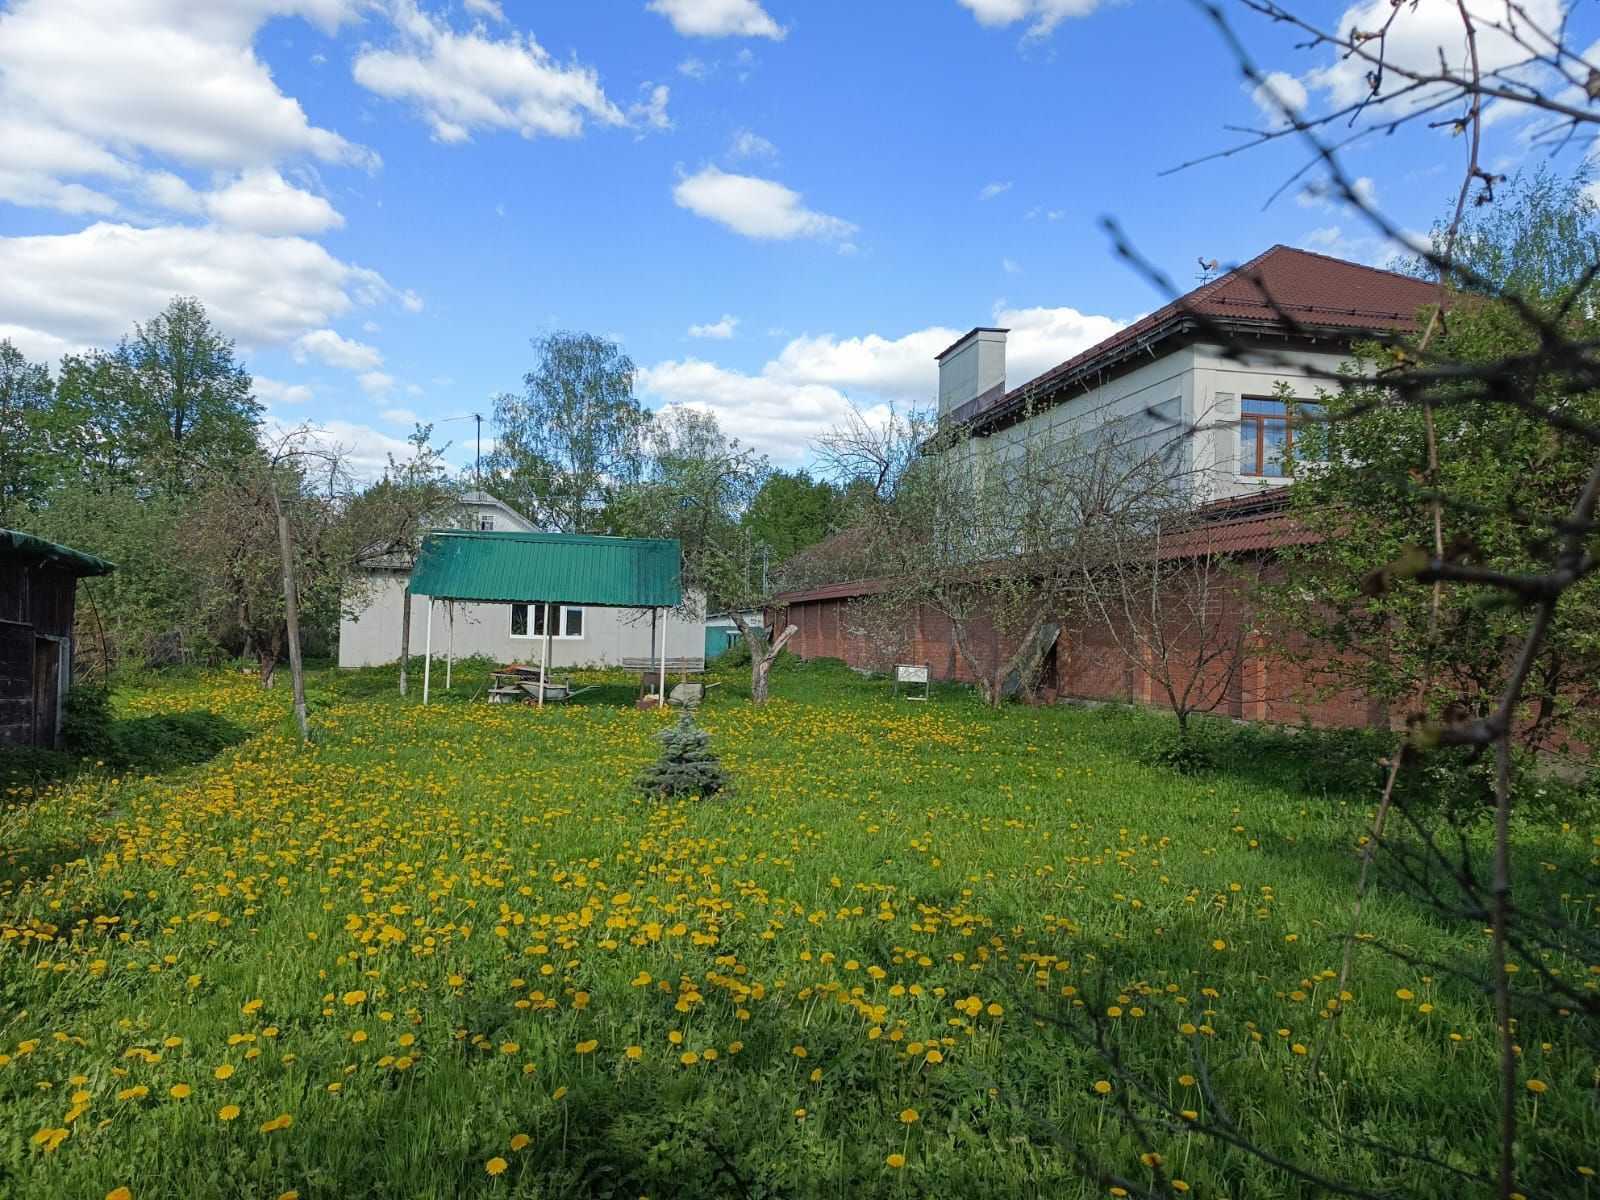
675 666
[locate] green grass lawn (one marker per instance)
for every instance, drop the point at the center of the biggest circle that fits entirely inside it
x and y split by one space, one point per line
923 949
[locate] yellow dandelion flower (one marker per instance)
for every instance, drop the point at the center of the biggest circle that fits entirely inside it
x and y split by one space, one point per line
688 1058
355 997
909 1116
588 1047
934 1057
520 1141
634 1053
180 1091
1103 1086
496 1166
559 1092
228 1112
1538 1086
225 1071
119 1193
1219 945
896 1161
1404 994
281 1121
134 1093
800 1052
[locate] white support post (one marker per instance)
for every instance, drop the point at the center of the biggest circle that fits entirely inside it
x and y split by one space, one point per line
450 652
664 614
427 653
544 655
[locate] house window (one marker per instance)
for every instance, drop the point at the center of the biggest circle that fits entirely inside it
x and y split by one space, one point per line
1266 435
527 620
485 524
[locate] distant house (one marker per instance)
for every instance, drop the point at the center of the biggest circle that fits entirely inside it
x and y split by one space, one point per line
369 630
38 594
722 634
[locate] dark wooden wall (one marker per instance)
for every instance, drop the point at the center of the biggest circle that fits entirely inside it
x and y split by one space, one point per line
36 606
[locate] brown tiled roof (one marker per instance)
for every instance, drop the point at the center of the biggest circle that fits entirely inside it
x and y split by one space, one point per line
1282 290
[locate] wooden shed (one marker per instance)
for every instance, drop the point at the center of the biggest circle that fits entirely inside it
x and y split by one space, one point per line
38 590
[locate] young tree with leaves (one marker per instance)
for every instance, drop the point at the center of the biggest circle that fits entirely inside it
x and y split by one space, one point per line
574 438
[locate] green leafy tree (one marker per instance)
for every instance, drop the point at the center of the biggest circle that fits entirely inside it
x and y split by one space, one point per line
793 512
574 438
26 392
1505 479
187 397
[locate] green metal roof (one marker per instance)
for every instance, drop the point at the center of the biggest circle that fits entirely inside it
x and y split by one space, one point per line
14 542
549 568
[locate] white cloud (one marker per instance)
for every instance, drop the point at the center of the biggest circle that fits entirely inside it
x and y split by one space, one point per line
1278 91
1009 267
485 8
694 68
1325 197
273 391
376 384
1043 15
399 416
990 190
124 78
90 286
263 201
651 112
464 82
1427 32
344 353
366 450
751 145
718 18
718 331
808 387
1372 249
757 208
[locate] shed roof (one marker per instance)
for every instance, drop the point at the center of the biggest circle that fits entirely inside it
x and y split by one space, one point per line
549 568
16 544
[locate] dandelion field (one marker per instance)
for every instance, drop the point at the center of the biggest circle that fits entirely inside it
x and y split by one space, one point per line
922 949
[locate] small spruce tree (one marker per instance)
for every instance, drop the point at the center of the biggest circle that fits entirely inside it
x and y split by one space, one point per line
686 767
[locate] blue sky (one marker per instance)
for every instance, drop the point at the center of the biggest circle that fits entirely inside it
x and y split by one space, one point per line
776 207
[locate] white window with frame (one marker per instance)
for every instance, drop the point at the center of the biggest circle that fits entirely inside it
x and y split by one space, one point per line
527 621
485 524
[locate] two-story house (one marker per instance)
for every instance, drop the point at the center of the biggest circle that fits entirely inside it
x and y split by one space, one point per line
1219 378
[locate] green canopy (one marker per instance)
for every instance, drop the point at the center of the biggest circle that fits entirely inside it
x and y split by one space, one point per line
549 568
14 543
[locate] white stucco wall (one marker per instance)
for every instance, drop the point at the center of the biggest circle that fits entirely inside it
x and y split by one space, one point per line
371 636
1195 386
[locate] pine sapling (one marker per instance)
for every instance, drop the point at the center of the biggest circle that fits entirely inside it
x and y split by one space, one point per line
687 767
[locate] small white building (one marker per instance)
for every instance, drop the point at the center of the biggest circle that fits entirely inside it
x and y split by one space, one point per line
582 636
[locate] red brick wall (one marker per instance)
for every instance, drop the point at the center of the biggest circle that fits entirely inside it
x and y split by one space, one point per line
1249 679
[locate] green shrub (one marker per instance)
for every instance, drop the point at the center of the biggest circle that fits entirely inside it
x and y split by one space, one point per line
86 724
169 740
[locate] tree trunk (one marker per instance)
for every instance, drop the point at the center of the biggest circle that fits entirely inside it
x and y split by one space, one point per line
267 657
405 637
291 610
762 656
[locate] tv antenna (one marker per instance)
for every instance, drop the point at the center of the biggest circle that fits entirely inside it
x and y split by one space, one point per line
477 461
